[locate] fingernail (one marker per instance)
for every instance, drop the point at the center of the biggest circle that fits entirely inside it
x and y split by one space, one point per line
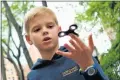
90 33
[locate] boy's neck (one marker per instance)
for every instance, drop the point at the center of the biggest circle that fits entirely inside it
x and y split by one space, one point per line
48 55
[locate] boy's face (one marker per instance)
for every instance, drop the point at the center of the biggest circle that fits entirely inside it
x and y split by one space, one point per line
43 32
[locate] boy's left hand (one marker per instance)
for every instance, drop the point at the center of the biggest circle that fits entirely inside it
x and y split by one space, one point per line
79 52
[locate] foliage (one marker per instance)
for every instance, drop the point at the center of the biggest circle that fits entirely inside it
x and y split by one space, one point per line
109 14
111 61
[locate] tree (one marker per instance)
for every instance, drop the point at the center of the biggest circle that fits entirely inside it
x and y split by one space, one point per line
9 23
3 71
108 14
19 32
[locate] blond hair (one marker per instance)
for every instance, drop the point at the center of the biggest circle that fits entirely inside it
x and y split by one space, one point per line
37 11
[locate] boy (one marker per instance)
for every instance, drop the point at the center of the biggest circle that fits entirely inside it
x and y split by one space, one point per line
65 63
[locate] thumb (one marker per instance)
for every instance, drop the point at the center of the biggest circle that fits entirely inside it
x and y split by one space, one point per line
66 54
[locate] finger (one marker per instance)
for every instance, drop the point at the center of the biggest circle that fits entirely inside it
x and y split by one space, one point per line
75 45
91 44
77 39
70 48
66 54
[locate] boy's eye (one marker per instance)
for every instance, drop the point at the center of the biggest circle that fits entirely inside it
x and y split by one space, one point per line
50 26
36 30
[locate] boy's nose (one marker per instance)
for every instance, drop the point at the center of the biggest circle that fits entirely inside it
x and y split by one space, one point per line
45 32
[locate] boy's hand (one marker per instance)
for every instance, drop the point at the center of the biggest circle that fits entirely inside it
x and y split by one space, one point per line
79 52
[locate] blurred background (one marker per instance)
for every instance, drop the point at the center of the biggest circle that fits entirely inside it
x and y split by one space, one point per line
101 18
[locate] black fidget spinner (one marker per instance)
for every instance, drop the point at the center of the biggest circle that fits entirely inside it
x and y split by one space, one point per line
72 28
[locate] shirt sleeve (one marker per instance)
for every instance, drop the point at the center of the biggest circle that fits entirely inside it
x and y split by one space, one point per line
98 76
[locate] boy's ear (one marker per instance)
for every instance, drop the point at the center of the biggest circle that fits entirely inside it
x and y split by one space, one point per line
28 39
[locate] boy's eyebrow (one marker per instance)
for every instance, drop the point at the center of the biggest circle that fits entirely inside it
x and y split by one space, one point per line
50 23
36 26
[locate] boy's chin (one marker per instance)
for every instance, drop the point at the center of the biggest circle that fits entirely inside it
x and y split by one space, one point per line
48 48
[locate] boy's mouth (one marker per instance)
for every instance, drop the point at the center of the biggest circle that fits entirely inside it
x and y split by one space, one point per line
46 38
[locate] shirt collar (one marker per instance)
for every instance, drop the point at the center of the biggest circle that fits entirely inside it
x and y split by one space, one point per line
42 63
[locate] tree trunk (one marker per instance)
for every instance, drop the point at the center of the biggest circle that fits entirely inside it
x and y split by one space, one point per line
21 69
3 70
44 3
19 32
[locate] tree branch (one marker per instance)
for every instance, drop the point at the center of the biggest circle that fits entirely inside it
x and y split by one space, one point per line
19 52
12 61
14 42
11 17
9 34
10 50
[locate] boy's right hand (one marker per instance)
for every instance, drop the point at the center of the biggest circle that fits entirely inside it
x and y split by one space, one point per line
80 53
